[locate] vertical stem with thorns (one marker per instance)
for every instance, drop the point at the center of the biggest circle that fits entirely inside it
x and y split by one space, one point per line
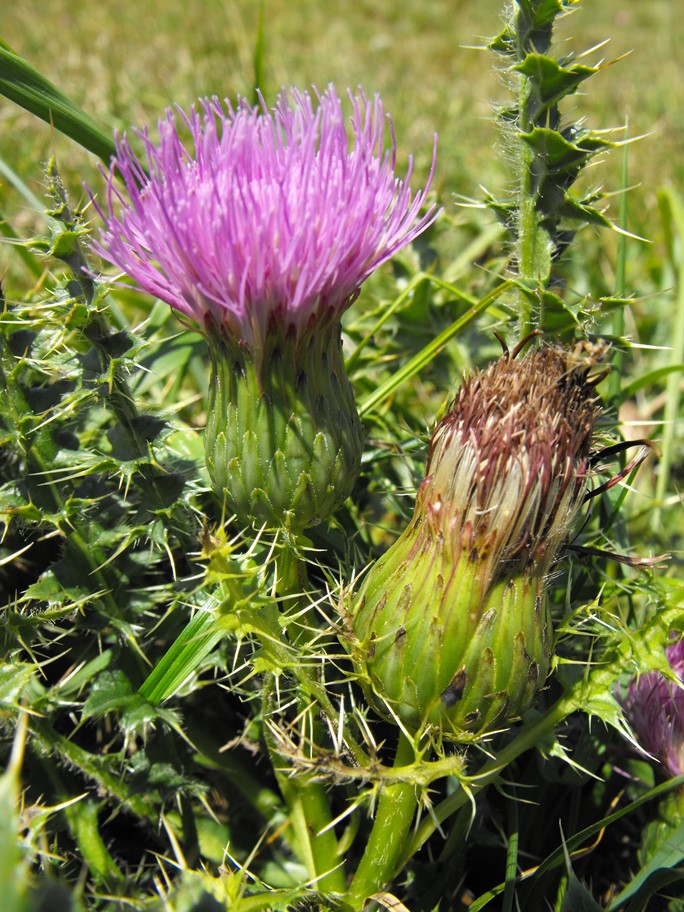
306 799
533 251
395 814
542 215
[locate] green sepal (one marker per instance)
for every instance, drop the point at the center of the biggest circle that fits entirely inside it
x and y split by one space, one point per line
437 640
283 440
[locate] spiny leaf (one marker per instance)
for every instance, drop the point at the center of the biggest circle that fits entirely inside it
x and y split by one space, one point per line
577 898
14 677
550 80
576 210
112 692
83 817
558 153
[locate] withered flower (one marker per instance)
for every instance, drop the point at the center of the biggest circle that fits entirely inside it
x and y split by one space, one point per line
452 626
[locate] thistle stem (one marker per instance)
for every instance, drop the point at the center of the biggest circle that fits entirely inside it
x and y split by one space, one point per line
491 771
306 799
396 811
534 247
309 814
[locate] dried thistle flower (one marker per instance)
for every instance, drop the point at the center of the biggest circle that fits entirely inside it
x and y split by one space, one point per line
654 707
261 234
452 626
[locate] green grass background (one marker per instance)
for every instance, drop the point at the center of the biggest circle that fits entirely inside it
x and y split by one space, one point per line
125 61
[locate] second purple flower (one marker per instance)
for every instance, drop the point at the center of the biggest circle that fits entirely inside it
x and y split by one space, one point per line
654 707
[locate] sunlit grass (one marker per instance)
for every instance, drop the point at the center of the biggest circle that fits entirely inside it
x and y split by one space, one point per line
125 62
166 762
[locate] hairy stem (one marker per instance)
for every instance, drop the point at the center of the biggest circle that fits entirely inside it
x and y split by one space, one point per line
306 799
383 854
313 838
534 246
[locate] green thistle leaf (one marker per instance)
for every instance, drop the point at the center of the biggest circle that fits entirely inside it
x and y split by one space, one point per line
550 81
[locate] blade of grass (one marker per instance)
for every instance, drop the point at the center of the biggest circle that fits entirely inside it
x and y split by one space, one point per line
511 853
194 643
259 57
575 844
29 259
423 358
387 312
25 86
675 207
650 379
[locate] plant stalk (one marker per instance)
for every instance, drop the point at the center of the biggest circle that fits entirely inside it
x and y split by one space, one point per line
382 858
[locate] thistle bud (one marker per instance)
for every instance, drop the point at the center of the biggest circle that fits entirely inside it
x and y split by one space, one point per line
654 707
261 234
452 625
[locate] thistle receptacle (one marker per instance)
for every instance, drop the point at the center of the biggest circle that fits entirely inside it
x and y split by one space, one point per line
261 235
451 627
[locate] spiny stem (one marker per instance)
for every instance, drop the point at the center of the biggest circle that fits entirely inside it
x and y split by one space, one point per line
306 799
396 810
533 247
490 771
547 153
309 813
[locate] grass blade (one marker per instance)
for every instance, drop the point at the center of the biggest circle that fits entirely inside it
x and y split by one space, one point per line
25 86
196 641
675 205
419 361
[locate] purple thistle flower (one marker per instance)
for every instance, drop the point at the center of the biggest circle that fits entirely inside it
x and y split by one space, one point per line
260 231
654 707
266 216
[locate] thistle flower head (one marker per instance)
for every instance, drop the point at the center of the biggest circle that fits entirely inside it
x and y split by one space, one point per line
265 216
508 464
452 627
654 707
261 231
